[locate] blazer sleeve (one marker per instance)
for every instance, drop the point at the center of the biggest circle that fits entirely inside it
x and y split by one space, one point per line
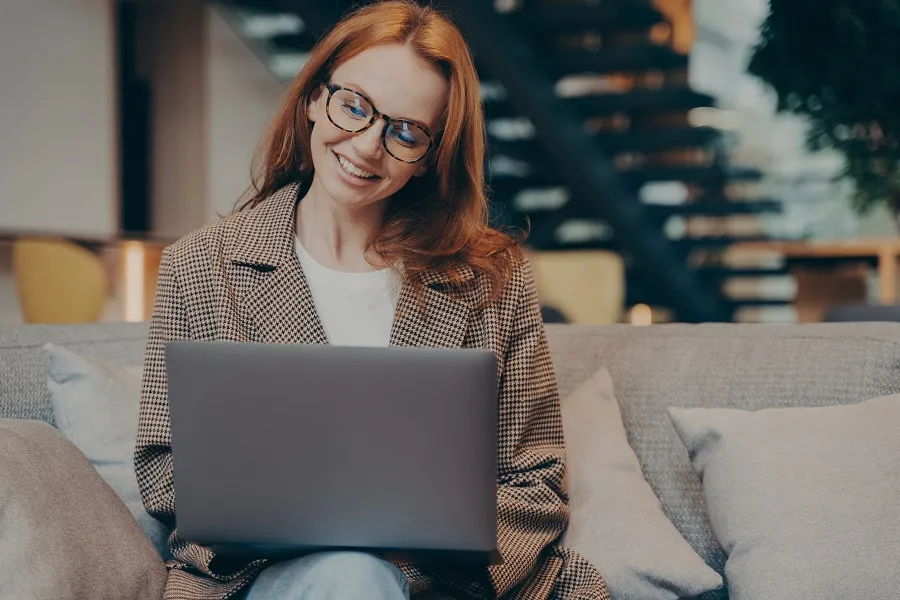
153 453
153 448
532 504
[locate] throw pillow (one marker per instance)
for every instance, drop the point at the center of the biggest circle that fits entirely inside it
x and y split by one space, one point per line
803 500
64 533
616 521
96 405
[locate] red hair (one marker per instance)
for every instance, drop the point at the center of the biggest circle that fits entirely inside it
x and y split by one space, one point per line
436 222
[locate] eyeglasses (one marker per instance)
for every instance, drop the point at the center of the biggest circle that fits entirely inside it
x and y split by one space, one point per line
352 112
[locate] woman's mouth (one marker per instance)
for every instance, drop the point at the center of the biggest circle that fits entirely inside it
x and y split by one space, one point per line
354 173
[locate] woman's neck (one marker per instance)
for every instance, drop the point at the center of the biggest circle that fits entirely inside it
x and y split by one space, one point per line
337 236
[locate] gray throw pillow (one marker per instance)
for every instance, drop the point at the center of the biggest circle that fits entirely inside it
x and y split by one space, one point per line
805 501
64 533
617 522
96 404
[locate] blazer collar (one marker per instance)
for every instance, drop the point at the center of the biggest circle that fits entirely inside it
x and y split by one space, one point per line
267 237
281 304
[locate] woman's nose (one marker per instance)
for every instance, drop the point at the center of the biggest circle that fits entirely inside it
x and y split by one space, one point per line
369 143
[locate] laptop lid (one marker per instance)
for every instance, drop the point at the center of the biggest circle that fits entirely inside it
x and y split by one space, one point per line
281 448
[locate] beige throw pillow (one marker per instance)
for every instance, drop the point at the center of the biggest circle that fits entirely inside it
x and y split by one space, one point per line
617 522
64 533
805 500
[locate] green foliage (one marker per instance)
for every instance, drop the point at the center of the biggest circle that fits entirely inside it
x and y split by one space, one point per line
837 62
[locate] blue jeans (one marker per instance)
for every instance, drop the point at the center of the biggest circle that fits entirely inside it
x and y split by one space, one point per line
331 576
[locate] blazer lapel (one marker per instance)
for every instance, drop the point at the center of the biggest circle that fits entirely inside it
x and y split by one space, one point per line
279 303
444 323
282 310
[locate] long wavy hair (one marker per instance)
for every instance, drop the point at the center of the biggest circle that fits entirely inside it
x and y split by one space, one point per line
441 220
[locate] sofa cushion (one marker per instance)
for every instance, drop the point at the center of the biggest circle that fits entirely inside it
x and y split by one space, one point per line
64 533
803 500
616 521
23 376
720 365
96 404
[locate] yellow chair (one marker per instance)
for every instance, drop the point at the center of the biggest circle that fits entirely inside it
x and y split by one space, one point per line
58 281
587 286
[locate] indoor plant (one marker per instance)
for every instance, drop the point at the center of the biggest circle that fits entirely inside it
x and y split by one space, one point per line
835 62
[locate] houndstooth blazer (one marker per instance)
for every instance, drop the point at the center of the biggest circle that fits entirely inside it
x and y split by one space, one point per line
240 279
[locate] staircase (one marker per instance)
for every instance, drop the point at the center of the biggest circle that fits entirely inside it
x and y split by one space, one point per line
598 141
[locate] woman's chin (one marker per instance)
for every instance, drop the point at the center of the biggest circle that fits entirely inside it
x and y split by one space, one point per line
350 197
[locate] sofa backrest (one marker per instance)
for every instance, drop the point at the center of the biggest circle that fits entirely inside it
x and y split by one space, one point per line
23 378
720 365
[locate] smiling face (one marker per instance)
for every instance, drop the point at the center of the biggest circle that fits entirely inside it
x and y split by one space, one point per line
355 169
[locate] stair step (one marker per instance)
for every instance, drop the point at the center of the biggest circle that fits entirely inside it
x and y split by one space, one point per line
692 174
635 58
647 141
569 18
719 273
830 262
723 209
715 241
682 245
665 99
760 302
635 295
660 139
660 212
638 58
510 184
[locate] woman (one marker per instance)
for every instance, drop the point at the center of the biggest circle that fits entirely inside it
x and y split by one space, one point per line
369 227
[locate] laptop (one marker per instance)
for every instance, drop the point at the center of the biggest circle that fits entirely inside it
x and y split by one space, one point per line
283 449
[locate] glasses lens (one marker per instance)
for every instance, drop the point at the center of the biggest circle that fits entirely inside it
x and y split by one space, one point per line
407 141
349 110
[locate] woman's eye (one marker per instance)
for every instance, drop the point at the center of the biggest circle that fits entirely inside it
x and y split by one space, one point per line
355 110
406 136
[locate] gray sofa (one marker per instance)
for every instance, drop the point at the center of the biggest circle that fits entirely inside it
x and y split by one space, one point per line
711 365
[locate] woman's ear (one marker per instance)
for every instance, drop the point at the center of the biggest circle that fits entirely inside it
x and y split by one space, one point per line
312 107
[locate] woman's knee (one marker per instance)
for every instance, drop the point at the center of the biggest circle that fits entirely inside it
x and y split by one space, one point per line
331 576
357 566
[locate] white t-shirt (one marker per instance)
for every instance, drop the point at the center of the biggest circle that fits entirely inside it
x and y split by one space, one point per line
356 309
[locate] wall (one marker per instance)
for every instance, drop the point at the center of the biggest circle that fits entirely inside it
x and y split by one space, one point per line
58 142
172 55
212 100
242 96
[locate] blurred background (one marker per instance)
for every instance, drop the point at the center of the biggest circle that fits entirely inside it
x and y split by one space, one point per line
676 160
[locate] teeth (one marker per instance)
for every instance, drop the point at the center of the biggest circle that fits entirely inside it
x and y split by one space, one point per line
353 169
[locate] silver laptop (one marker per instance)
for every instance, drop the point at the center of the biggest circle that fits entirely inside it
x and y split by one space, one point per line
281 449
